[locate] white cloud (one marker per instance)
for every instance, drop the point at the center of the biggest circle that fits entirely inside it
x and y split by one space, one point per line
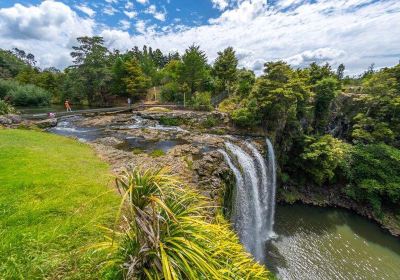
355 32
109 10
125 24
143 2
128 5
48 30
156 14
85 9
318 55
220 4
130 14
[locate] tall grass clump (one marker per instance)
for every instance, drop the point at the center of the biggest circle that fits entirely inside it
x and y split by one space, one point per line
165 232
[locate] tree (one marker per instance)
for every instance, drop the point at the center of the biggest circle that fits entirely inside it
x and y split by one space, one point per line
244 82
225 67
321 156
193 70
340 71
325 92
136 82
317 73
91 59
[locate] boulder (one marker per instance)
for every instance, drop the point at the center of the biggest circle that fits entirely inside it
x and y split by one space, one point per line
47 123
5 121
15 119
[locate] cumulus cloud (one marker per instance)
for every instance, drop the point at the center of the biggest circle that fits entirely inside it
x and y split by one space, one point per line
355 32
318 56
220 4
47 30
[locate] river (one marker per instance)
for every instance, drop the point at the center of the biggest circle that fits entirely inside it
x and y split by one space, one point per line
321 243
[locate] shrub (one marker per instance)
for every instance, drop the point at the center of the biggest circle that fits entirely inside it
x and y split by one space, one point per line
24 95
209 122
202 101
244 118
170 121
374 175
6 108
322 156
166 234
170 92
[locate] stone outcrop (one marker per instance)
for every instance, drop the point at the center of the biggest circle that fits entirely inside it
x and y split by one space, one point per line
10 119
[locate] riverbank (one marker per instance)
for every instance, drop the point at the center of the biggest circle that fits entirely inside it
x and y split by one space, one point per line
54 192
333 196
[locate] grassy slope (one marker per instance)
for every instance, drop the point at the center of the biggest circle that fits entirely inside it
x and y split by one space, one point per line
53 193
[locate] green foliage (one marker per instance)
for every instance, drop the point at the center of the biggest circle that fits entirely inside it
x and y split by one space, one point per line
136 82
374 175
53 193
93 66
325 92
23 95
166 234
322 156
6 108
243 117
202 101
225 68
378 119
10 64
157 153
210 122
244 82
193 71
170 92
169 121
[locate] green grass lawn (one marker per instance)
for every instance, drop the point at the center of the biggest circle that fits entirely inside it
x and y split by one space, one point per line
54 191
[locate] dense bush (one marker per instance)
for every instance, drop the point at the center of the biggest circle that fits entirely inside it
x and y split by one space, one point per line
243 117
167 234
23 95
6 108
322 156
170 92
374 175
202 101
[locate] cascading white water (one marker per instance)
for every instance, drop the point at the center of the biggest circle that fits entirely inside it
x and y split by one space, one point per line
271 189
254 204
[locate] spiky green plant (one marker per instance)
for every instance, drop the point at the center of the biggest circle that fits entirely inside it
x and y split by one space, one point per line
166 233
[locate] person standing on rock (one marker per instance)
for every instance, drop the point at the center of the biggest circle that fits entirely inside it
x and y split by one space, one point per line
129 102
67 106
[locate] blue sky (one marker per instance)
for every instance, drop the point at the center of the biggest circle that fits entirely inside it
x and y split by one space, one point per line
354 32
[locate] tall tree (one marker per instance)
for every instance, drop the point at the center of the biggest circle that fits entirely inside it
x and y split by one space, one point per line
136 81
91 59
225 67
340 71
194 70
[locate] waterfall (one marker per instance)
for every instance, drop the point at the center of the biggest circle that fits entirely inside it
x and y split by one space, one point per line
271 189
254 204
